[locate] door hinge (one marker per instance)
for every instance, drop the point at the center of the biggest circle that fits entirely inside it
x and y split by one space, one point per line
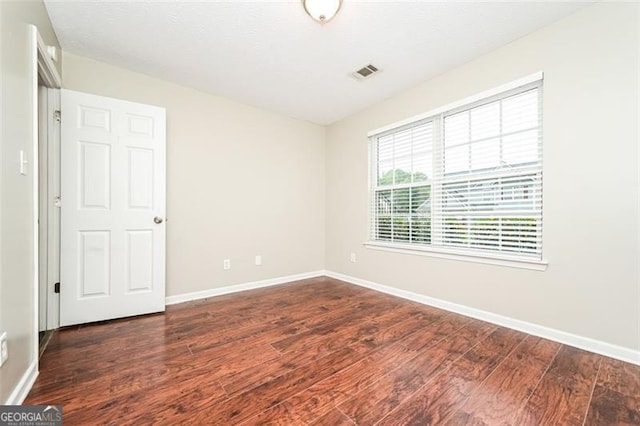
56 288
57 115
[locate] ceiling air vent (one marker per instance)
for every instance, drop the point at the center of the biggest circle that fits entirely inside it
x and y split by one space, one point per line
365 72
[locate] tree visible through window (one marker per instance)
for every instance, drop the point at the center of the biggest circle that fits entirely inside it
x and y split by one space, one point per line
467 179
404 187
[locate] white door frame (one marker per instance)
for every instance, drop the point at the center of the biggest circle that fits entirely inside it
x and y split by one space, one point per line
41 174
48 74
53 211
49 210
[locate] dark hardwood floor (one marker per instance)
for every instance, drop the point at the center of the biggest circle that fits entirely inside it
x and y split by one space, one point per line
324 352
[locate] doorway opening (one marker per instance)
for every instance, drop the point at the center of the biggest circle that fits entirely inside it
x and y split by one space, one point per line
47 190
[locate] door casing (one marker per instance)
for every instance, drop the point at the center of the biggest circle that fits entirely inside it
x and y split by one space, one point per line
49 207
48 76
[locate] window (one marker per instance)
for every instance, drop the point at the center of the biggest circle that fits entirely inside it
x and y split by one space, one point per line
465 180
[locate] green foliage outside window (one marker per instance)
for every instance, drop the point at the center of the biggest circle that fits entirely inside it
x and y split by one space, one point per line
404 215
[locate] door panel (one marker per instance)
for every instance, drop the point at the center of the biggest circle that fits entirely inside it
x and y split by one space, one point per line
140 175
140 261
95 175
94 263
112 188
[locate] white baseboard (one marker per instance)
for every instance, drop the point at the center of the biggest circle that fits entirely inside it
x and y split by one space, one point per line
186 297
586 343
25 384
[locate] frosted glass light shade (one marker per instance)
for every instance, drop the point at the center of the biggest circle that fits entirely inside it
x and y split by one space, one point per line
322 10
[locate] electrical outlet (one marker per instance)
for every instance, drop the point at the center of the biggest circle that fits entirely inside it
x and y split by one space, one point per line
4 348
258 260
352 257
226 264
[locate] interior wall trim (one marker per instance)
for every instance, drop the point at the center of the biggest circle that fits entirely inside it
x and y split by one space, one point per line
25 384
186 297
581 342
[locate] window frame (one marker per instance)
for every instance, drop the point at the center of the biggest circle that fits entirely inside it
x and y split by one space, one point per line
437 117
410 186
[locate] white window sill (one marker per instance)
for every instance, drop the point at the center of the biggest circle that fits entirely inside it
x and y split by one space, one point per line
442 253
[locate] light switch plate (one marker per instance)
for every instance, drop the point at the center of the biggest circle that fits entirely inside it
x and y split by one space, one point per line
4 348
23 163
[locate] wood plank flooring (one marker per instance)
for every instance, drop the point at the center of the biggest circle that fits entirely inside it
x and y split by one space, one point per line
324 352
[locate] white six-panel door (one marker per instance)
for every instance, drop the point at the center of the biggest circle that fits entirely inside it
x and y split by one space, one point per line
113 208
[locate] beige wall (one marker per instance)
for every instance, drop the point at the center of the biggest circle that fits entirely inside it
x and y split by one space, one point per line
591 287
17 309
241 181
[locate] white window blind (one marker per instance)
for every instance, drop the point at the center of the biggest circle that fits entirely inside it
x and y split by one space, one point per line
403 184
468 179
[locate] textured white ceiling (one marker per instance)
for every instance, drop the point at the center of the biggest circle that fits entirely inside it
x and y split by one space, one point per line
272 55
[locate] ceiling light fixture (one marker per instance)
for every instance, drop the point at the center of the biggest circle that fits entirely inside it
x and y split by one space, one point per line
322 10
